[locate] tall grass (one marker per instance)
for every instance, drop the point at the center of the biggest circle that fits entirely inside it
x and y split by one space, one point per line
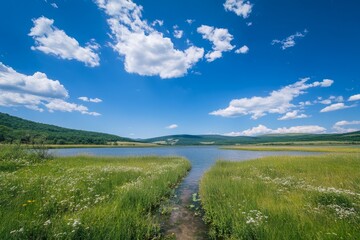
330 148
315 197
87 197
15 156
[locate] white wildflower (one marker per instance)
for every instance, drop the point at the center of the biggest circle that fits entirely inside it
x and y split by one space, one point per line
47 223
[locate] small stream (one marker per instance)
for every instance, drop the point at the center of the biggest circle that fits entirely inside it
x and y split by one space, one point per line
184 223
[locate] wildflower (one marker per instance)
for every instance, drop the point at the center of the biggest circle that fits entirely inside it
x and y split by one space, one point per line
17 231
255 217
48 222
76 223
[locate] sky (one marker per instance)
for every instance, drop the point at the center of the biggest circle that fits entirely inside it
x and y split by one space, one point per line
143 69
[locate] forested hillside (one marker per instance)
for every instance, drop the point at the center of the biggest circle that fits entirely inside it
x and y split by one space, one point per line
14 129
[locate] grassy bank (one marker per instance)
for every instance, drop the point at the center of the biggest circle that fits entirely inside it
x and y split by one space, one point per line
116 145
315 197
85 197
329 148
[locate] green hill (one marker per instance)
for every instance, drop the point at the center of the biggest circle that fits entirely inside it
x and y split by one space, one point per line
287 139
14 129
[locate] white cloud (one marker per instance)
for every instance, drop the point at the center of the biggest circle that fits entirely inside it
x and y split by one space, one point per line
50 40
190 21
13 99
335 107
243 50
54 5
249 24
354 97
36 84
306 103
157 22
289 41
323 83
340 126
86 99
178 33
172 126
293 115
63 106
261 130
326 83
326 101
337 99
300 129
278 101
220 39
35 92
239 7
145 50
329 100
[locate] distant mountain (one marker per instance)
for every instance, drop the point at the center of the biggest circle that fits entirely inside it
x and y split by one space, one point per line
14 129
353 137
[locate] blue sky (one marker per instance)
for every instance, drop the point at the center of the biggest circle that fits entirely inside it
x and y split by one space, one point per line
148 68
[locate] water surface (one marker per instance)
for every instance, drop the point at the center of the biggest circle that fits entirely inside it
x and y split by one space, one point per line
201 157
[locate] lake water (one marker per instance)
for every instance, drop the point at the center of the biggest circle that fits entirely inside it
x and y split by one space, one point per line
201 157
182 222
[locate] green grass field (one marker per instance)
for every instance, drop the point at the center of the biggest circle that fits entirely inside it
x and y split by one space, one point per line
315 197
329 148
84 197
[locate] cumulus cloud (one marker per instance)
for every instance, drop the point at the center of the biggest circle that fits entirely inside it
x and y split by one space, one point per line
54 5
342 126
261 130
35 92
335 107
354 97
36 84
289 41
172 126
145 50
51 40
293 115
220 39
86 99
279 101
239 7
243 50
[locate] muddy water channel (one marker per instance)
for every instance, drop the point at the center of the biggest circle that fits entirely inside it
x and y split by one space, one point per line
185 221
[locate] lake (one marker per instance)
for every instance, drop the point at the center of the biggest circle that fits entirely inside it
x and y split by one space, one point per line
201 157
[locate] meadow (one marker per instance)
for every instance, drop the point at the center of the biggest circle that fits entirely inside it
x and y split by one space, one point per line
84 197
301 148
307 197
